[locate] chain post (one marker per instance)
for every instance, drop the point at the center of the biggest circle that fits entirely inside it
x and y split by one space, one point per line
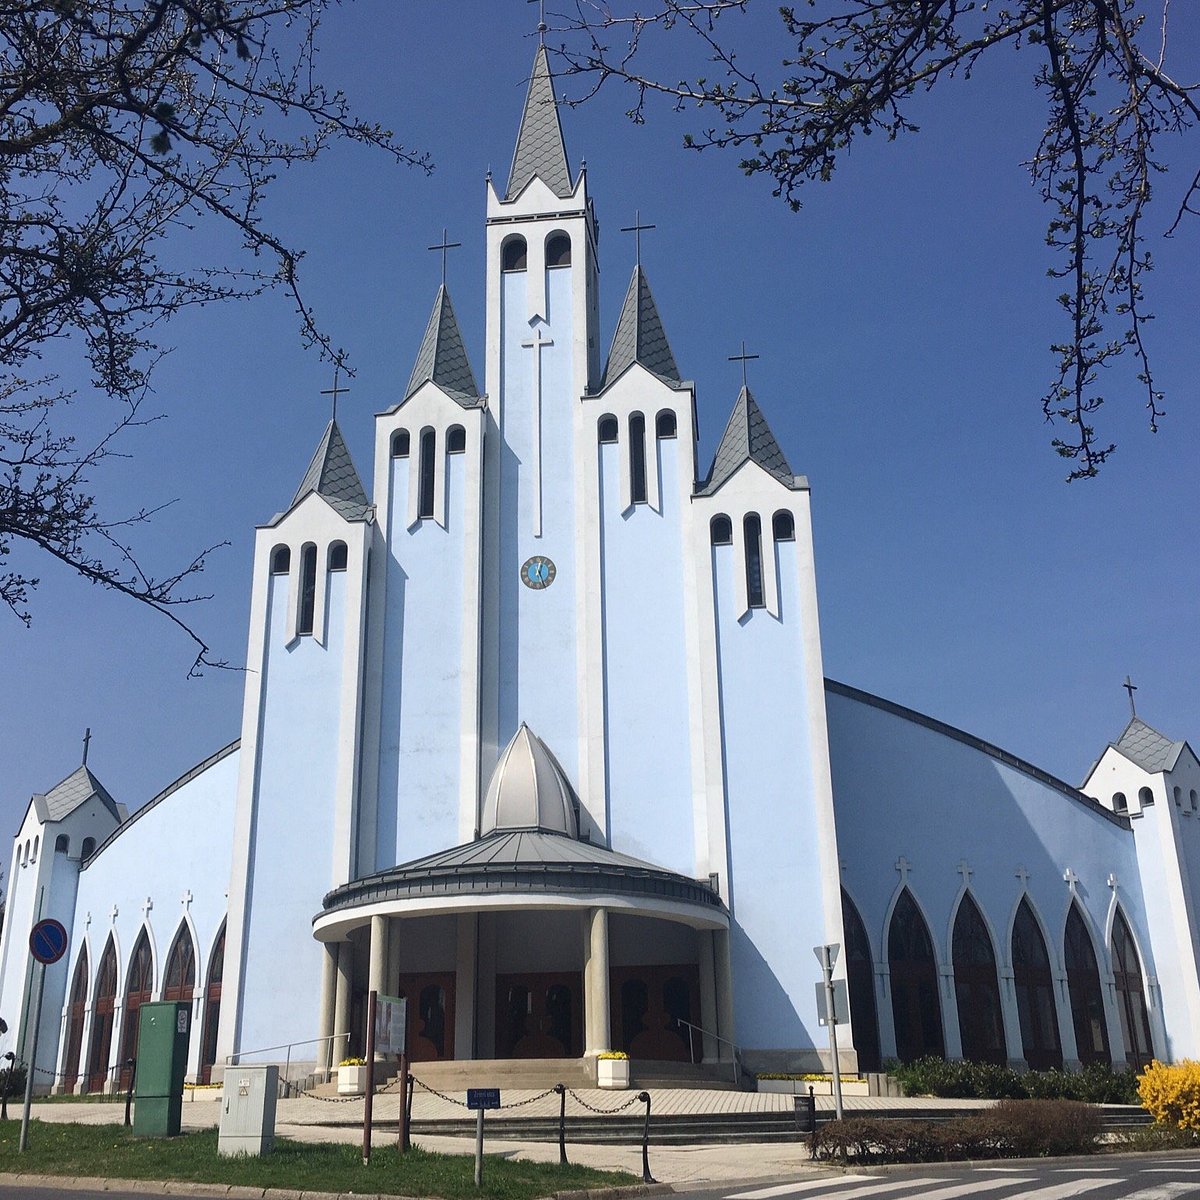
561 1089
644 1097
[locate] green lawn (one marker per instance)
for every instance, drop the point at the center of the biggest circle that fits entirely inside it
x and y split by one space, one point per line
112 1152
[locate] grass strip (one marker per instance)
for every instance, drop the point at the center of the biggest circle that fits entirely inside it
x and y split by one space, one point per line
110 1151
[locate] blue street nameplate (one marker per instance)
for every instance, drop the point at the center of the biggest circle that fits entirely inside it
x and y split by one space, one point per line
483 1098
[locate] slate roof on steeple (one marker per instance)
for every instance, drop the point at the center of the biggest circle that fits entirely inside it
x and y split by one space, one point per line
1147 748
64 798
747 438
639 336
540 148
332 476
442 357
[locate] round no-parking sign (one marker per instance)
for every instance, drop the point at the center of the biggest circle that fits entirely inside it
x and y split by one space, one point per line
48 941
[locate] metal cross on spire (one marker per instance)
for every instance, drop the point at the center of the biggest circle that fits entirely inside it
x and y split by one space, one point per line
443 246
335 391
87 739
637 228
743 358
1130 687
542 26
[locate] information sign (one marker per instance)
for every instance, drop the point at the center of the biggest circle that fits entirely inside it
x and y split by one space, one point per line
48 941
391 1021
841 1003
480 1098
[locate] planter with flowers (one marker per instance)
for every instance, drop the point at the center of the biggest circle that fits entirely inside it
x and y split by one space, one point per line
352 1077
612 1069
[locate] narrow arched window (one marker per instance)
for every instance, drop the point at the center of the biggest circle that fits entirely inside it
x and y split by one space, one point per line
138 987
456 440
425 491
783 527
308 588
1131 995
637 458
976 987
720 530
1179 797
62 844
916 1007
1192 798
1034 985
607 430
558 250
338 556
664 424
281 560
76 1012
212 1009
400 443
513 254
180 976
1083 989
752 528
100 1046
860 980
36 842
89 847
1145 797
1120 804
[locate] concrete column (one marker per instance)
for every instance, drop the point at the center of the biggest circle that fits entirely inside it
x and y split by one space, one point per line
395 945
1011 1017
466 951
485 987
597 1036
328 1001
377 976
724 986
341 1002
708 995
1066 1022
951 1032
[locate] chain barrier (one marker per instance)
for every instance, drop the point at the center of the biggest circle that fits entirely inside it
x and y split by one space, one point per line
604 1112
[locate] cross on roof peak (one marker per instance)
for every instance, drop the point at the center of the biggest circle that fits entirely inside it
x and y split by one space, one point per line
87 740
335 391
743 358
1130 687
637 228
542 26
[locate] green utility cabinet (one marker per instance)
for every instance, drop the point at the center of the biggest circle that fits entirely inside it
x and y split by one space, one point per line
164 1029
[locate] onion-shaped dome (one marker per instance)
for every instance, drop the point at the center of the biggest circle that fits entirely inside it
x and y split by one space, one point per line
528 790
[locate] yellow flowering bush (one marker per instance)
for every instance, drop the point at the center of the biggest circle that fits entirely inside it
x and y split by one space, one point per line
1171 1094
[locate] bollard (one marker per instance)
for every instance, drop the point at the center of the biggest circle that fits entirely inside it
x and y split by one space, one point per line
411 1083
644 1097
812 1111
12 1058
562 1122
131 1063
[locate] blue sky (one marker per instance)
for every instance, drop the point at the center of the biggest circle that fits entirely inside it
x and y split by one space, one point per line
902 319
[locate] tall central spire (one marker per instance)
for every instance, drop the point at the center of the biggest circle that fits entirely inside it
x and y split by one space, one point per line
540 150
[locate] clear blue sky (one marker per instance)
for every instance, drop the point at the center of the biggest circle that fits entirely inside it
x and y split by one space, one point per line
903 319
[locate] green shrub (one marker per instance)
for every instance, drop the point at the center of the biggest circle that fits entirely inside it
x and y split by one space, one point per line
1011 1129
12 1083
1156 1137
962 1080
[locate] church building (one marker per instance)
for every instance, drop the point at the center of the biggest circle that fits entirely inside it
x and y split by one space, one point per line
536 733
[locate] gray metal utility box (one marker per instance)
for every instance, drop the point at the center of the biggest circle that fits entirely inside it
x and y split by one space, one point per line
248 1110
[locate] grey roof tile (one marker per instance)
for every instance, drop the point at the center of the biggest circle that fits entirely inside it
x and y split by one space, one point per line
331 474
65 797
442 357
540 148
640 336
1147 748
747 438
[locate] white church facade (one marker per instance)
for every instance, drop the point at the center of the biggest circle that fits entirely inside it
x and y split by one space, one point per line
536 733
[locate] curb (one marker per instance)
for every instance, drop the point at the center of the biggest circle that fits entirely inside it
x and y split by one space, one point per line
182 1187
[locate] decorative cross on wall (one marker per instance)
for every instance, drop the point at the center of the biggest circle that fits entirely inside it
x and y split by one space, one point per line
147 905
1070 878
538 339
902 865
87 921
1022 875
966 872
116 912
186 898
1112 880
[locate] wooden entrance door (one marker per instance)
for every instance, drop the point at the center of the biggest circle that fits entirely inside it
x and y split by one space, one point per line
539 1016
647 1005
430 1034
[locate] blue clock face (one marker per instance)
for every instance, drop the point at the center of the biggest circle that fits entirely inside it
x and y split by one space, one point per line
538 572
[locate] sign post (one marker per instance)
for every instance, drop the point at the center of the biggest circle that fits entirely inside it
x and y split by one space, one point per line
47 944
827 956
370 1096
481 1099
391 1032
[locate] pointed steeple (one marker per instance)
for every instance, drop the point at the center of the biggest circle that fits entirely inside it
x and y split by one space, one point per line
640 336
747 438
331 475
443 357
540 148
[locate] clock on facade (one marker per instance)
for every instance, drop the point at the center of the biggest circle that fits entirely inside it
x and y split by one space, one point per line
538 572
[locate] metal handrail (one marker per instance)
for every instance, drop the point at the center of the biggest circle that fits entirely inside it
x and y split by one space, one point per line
230 1059
737 1053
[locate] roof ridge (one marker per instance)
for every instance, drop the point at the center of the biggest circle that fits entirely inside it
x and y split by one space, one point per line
540 150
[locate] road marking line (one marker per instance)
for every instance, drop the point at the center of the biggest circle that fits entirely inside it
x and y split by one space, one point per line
1168 1191
968 1187
1073 1187
879 1182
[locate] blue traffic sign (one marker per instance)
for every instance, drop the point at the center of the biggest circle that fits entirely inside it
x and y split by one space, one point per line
483 1098
48 941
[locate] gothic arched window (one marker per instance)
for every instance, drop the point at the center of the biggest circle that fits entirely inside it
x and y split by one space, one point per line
425 489
400 440
558 250
180 977
752 528
102 1019
1034 986
637 459
1083 988
607 430
513 254
860 979
138 985
720 530
664 424
76 1010
1131 995
212 1009
976 987
916 1006
308 589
